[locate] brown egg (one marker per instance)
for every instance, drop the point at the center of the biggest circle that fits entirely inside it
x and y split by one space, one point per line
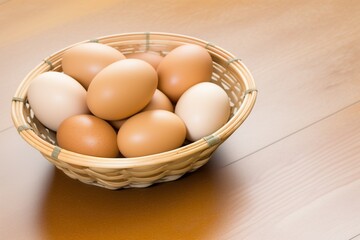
85 60
117 123
158 101
152 58
182 68
151 132
87 134
122 89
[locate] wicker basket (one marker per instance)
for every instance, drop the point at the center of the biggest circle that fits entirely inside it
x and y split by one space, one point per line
115 173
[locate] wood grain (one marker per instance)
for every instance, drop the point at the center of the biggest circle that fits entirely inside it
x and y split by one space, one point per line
304 187
304 62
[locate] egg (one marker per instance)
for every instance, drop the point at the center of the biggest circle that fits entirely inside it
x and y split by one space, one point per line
152 58
85 60
182 68
151 132
89 135
204 108
122 89
54 96
117 123
158 101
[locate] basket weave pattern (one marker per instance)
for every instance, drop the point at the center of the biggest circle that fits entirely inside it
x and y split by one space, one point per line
115 173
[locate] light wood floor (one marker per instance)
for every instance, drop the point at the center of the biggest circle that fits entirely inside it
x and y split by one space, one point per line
291 171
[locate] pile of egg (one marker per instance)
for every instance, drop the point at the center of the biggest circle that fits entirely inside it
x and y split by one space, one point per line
107 104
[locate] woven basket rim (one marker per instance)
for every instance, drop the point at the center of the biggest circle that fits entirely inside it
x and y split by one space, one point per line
161 158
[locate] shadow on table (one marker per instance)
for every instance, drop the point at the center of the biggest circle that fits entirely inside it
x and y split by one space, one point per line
192 207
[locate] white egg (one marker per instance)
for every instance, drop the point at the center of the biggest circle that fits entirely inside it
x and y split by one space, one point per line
55 96
204 108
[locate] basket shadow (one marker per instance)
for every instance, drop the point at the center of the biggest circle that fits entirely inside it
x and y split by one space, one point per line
195 206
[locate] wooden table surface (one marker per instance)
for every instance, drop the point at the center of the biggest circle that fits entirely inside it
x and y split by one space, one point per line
291 171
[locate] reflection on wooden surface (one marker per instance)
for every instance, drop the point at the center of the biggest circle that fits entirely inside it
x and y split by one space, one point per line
194 207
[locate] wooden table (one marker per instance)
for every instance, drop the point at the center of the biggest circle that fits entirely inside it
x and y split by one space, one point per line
291 171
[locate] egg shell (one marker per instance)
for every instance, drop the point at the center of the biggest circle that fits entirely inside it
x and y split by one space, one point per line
85 60
182 68
152 58
122 89
158 101
204 108
54 96
151 132
117 123
89 135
